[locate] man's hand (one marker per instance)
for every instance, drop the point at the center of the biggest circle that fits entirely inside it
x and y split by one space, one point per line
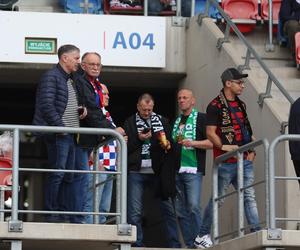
251 156
145 136
166 146
187 143
228 148
121 131
84 112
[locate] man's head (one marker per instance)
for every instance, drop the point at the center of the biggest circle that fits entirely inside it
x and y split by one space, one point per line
91 64
186 101
69 57
105 93
145 106
233 81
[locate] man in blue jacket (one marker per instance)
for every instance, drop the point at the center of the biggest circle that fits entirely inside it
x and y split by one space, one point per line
56 105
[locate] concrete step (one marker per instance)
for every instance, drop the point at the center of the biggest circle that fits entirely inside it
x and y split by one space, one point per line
279 71
53 236
290 240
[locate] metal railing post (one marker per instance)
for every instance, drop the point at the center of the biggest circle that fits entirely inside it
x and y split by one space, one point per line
178 9
247 61
193 3
123 190
215 202
118 183
272 211
2 199
267 179
146 7
267 94
14 223
240 190
96 198
270 45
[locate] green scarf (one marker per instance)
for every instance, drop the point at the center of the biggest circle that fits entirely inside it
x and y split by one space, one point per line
188 163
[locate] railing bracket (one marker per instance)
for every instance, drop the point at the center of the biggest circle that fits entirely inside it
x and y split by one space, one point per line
274 234
124 229
269 47
282 130
241 68
221 41
178 21
261 98
15 226
200 18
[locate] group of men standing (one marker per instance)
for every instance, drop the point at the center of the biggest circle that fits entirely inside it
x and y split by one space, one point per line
70 95
168 159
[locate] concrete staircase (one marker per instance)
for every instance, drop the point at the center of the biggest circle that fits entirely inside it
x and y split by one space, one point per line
277 61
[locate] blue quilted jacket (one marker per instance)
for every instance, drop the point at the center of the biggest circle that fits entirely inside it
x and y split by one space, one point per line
51 98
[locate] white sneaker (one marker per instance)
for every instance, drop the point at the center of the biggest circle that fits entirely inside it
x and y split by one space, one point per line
203 242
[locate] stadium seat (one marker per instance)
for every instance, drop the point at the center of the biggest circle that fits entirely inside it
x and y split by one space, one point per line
242 12
297 48
6 176
265 9
212 12
77 6
265 12
8 5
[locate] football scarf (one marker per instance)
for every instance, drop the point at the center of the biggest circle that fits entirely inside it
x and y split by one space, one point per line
188 163
156 126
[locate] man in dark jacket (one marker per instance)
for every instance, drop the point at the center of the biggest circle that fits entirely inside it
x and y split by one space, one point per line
294 128
90 96
56 105
190 150
149 161
228 128
289 15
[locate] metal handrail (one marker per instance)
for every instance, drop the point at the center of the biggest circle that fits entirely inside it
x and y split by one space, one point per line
250 51
272 177
122 189
240 190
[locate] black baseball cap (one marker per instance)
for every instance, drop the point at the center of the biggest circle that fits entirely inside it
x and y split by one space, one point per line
232 74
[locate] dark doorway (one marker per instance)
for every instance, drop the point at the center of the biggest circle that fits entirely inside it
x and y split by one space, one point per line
123 102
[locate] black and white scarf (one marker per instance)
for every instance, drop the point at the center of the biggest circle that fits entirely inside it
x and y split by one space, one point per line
156 127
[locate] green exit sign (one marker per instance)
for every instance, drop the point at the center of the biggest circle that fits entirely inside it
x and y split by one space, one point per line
40 45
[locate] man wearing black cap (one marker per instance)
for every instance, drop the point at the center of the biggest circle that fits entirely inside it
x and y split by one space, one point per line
228 128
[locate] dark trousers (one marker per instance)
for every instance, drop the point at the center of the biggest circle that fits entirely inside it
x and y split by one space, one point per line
297 168
290 28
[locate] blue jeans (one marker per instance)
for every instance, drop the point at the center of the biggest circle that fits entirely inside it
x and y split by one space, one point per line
188 208
136 185
227 174
76 191
105 194
61 155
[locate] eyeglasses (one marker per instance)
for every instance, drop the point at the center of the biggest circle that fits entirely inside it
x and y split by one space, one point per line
92 65
239 82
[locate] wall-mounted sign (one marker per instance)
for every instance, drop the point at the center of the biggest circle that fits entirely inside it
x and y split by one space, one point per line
40 45
126 41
